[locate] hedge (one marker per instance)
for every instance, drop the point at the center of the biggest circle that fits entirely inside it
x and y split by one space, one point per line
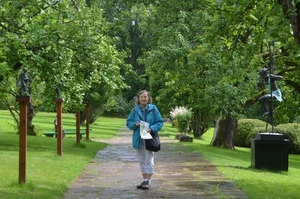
248 128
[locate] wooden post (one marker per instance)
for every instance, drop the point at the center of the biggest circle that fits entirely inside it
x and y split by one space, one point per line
87 121
59 102
22 137
78 137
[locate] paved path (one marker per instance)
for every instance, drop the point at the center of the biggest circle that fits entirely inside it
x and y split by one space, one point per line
179 174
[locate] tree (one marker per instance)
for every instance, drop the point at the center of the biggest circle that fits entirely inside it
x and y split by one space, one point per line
211 52
245 32
58 40
125 18
176 62
291 10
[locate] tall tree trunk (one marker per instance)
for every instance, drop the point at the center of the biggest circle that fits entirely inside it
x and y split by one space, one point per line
292 13
30 115
201 121
82 117
93 114
224 132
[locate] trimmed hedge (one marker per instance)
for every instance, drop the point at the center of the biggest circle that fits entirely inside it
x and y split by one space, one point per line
291 131
248 128
245 130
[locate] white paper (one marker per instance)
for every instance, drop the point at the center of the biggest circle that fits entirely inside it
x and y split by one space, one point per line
144 127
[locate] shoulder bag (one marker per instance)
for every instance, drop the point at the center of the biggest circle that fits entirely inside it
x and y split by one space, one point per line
154 143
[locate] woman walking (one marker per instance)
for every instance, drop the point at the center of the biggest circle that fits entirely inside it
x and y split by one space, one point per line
147 112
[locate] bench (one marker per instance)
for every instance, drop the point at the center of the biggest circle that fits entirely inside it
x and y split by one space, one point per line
51 134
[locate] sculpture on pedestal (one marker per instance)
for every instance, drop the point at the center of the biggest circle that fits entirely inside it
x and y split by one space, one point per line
23 82
273 91
58 88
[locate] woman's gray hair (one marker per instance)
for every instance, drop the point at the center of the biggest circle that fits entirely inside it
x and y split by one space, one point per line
148 94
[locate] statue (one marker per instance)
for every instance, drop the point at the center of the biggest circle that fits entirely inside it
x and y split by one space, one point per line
58 87
23 82
274 92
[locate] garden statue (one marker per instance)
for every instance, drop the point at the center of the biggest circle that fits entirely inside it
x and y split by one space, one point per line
274 92
23 82
58 87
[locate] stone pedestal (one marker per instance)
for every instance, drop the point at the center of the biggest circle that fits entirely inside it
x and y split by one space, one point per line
183 138
269 151
186 138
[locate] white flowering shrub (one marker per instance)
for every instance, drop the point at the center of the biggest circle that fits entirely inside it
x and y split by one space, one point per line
182 117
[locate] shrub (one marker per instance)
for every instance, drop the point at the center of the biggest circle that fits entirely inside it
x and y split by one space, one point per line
182 117
288 132
291 131
256 129
246 129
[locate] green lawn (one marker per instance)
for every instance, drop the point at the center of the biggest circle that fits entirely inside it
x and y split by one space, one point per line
48 175
236 165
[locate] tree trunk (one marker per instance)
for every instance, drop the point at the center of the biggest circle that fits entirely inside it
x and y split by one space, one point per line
30 115
93 114
201 121
82 117
224 132
292 13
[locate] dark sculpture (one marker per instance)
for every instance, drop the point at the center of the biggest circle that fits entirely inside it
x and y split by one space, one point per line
23 82
274 92
58 87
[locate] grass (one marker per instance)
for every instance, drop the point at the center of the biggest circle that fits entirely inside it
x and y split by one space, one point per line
236 165
49 175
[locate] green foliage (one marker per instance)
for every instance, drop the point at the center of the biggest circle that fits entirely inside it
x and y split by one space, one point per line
59 41
248 128
196 71
125 18
245 128
119 107
209 56
202 120
202 54
291 131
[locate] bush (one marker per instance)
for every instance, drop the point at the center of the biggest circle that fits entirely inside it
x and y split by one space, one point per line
291 131
182 117
257 129
246 129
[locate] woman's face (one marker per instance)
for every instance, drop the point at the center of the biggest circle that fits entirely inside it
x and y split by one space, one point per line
143 99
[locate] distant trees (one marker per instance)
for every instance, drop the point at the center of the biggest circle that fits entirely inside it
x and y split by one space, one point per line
203 55
57 40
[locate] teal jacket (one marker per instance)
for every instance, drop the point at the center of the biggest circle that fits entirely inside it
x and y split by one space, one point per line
150 115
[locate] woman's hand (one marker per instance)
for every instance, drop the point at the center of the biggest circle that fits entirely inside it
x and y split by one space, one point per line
137 124
149 130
